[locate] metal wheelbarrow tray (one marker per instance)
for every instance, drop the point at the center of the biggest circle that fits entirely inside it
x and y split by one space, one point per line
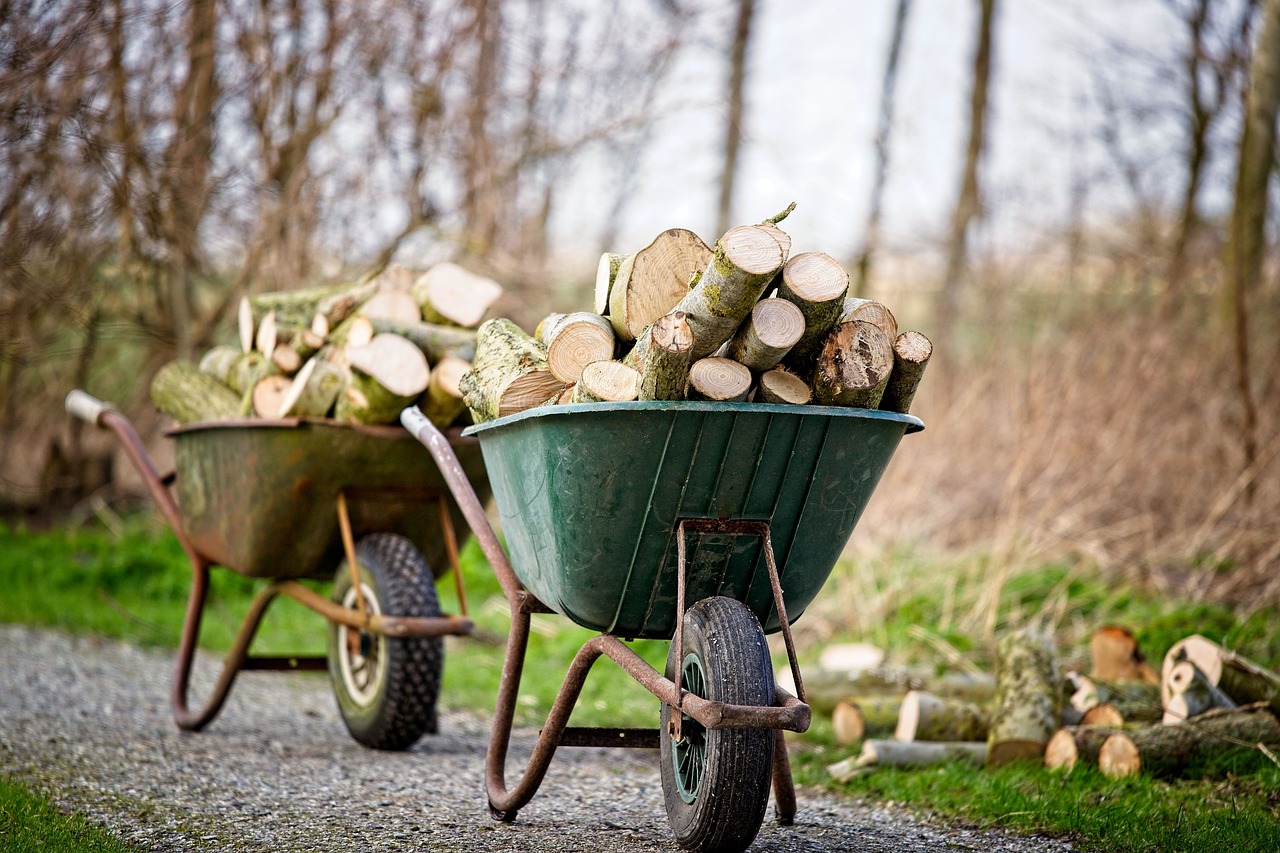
292 499
705 524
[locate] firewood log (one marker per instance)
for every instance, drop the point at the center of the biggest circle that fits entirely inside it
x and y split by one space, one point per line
265 340
824 689
268 395
392 306
509 373
334 309
314 389
355 331
870 311
1190 693
896 753
668 355
745 260
848 723
1241 679
387 374
185 394
720 380
1028 696
1075 745
286 359
924 716
442 402
576 340
651 282
1102 714
293 307
911 354
815 283
223 364
853 367
435 341
1116 656
769 332
784 387
606 274
450 295
1137 701
607 381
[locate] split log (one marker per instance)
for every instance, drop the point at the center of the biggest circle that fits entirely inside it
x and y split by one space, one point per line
654 280
667 357
452 296
744 262
265 340
313 390
606 274
870 311
1137 701
509 374
931 718
1116 656
185 394
1241 679
434 340
1028 697
442 402
1190 694
269 394
853 366
911 353
1102 714
784 387
768 334
392 306
815 283
607 382
246 325
576 340
895 753
387 374
720 380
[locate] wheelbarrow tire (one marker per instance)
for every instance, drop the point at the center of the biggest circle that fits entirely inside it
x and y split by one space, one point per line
386 687
716 782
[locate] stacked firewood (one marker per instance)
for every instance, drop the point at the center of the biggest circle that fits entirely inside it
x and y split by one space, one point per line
679 320
1122 717
357 353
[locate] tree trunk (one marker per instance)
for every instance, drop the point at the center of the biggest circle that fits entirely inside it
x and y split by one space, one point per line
1027 706
719 380
817 285
735 99
576 340
387 374
745 260
932 718
509 373
770 331
654 280
911 354
853 367
668 355
185 394
1243 680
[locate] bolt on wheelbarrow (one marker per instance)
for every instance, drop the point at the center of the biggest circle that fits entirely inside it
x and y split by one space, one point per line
296 499
709 525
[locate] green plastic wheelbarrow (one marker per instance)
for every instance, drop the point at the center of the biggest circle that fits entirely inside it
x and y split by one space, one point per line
709 525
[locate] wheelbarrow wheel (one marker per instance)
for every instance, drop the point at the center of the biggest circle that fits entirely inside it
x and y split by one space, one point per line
386 687
716 781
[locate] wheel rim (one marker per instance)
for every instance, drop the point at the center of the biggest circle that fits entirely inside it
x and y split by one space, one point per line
689 754
362 655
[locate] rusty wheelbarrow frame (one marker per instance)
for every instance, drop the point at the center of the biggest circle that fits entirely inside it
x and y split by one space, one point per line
209 538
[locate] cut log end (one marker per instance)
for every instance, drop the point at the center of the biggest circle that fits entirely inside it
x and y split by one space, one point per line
449 293
815 277
394 362
752 249
784 387
772 329
1119 757
607 381
1061 753
576 340
719 380
854 366
848 723
1102 715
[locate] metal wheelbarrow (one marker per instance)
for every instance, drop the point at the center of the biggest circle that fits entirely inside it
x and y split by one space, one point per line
293 499
708 525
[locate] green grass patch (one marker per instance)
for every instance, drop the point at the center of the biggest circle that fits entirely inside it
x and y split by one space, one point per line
29 822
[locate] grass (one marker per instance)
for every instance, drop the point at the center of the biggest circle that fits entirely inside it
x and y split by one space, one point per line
131 584
29 822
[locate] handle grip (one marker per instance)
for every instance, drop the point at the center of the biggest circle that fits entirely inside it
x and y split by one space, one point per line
86 407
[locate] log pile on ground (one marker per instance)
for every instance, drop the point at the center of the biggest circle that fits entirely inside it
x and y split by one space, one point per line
744 320
356 353
1121 717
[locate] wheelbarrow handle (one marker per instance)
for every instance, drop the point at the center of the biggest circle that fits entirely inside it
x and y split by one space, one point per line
86 407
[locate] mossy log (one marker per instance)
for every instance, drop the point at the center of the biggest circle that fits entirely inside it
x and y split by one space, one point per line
607 382
293 307
434 340
576 340
824 689
1243 680
1137 701
442 402
1027 707
387 374
769 332
853 367
720 380
745 260
509 373
334 309
1191 694
314 390
667 357
911 354
924 716
185 394
896 753
1072 746
606 274
651 282
817 284
450 295
783 387
876 713
870 311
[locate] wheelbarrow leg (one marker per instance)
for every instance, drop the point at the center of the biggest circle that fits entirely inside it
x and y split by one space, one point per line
784 790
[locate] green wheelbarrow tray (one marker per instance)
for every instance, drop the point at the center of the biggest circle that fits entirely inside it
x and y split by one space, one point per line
590 497
259 496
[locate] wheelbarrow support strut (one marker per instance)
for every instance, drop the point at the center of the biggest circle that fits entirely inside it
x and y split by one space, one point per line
789 714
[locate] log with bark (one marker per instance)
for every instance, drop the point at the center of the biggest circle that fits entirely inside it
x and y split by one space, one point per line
815 283
895 753
668 355
606 274
451 295
509 374
720 380
868 715
911 354
870 311
1190 693
853 367
1137 701
185 394
576 340
924 716
314 389
783 387
1116 657
1027 705
770 331
442 402
1243 680
607 382
434 340
387 374
824 689
653 281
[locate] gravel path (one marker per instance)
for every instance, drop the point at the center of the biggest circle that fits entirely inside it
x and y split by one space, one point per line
87 721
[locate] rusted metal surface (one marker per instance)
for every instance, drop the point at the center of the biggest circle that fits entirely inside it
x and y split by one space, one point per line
390 626
620 738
